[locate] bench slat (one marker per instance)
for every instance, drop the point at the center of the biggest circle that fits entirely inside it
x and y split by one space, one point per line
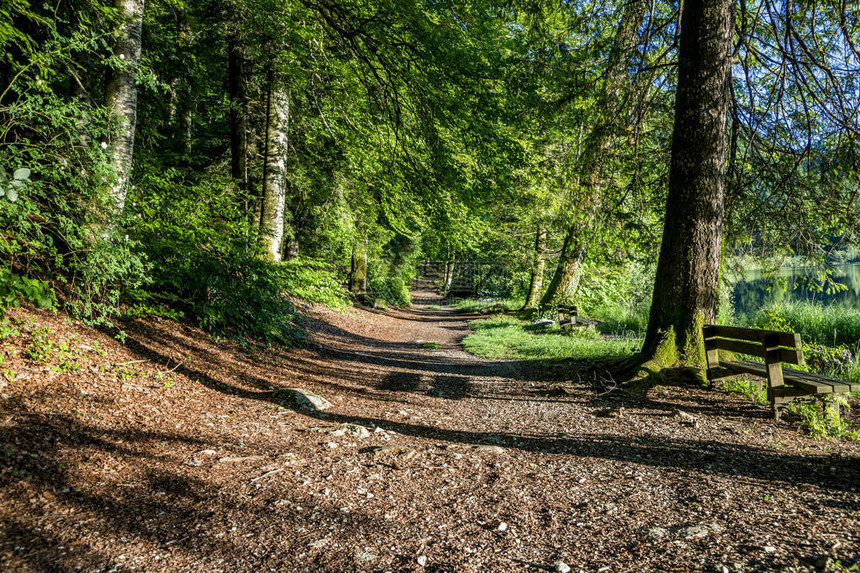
811 383
788 355
781 338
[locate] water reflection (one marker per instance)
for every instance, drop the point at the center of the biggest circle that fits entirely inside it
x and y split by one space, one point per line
755 290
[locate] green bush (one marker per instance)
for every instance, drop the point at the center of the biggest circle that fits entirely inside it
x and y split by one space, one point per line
391 290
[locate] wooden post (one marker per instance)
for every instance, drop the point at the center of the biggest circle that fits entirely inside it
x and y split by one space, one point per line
712 354
774 372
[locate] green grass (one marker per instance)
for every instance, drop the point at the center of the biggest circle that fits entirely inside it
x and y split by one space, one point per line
507 337
828 325
431 345
477 305
433 307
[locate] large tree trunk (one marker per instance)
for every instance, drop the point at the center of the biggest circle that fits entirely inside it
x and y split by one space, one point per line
538 265
685 289
275 176
121 95
565 281
238 105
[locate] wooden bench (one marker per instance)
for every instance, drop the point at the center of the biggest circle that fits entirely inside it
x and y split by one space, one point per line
568 315
784 385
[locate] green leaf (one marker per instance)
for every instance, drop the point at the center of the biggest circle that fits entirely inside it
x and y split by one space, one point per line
21 173
12 194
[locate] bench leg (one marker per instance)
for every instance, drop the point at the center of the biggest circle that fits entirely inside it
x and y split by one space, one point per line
832 409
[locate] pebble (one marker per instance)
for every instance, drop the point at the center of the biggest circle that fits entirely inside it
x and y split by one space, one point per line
657 533
503 526
561 567
769 549
301 398
422 560
699 530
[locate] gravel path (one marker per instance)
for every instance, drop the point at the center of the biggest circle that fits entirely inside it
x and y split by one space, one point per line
177 452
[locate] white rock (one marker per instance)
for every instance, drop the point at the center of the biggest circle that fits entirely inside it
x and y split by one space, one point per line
301 398
503 526
561 567
769 549
422 560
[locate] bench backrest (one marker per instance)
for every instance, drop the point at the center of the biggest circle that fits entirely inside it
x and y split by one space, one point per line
771 345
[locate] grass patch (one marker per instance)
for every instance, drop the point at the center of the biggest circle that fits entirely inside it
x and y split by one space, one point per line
508 337
431 345
752 391
476 305
433 307
832 325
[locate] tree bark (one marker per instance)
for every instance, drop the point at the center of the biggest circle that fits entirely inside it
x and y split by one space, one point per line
275 176
121 95
594 157
565 281
538 265
686 285
238 106
358 274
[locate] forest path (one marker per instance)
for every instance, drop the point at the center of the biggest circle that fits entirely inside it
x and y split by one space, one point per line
178 455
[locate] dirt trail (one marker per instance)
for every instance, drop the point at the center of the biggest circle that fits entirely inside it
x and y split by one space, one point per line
174 453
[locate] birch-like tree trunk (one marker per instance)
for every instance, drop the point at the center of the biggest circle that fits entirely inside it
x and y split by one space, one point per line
538 265
275 176
121 96
688 270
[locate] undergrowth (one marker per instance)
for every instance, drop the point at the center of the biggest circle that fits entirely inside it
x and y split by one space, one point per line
508 337
476 305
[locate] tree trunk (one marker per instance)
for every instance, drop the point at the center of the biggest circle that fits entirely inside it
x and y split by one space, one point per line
121 95
594 156
685 289
358 274
538 265
275 176
238 106
449 276
565 281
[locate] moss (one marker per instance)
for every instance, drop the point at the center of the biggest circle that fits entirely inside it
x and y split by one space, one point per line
666 354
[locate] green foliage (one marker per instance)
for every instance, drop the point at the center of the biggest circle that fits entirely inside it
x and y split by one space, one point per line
826 325
507 337
15 289
819 419
472 305
752 391
314 281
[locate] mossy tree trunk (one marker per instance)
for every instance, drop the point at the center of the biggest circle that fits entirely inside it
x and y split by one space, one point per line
565 281
538 266
238 106
686 285
358 274
596 153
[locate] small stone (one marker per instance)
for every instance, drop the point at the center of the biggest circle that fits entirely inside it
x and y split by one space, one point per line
354 430
422 560
318 544
502 526
301 398
207 452
330 445
561 567
490 449
698 530
822 563
657 532
365 557
543 323
769 549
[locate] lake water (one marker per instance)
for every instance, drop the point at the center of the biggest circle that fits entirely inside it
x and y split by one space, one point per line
754 290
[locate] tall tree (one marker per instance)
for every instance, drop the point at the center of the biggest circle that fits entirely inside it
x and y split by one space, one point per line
121 95
685 289
275 175
537 271
594 158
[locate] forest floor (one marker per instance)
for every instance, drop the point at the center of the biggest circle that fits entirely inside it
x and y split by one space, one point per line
173 453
